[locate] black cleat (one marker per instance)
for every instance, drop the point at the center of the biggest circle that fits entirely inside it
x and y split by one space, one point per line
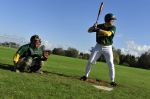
84 78
113 84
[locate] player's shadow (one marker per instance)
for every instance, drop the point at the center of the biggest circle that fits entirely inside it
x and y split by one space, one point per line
60 74
6 67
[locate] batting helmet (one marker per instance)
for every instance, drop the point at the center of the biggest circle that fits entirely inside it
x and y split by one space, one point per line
109 17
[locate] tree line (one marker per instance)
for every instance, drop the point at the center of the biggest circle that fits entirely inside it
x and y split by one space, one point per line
142 61
10 44
120 59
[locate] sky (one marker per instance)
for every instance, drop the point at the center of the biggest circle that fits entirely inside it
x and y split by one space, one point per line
64 23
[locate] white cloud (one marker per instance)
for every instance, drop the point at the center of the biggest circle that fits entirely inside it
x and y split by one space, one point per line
135 49
51 46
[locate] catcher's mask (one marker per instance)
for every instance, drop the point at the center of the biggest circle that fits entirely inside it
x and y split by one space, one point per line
35 40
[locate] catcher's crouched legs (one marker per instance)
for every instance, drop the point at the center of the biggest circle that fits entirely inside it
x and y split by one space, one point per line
36 66
24 64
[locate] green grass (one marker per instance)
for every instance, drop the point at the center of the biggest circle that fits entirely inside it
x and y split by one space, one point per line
61 80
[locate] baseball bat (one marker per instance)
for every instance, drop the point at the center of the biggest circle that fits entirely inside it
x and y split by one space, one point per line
99 12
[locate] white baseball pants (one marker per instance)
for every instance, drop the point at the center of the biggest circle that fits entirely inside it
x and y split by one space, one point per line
97 51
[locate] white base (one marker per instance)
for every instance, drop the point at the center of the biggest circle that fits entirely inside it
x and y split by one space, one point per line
103 87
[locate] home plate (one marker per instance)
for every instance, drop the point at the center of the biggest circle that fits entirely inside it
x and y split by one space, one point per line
103 87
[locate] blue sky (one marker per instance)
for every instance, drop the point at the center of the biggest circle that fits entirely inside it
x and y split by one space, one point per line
65 22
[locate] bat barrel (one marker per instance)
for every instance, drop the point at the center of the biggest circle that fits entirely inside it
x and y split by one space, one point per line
100 10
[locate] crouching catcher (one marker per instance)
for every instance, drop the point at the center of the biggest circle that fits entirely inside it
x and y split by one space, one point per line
30 57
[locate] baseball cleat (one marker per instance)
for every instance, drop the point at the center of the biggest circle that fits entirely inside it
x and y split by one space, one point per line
84 78
113 84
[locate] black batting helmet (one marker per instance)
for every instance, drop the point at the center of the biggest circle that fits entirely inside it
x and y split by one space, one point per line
109 17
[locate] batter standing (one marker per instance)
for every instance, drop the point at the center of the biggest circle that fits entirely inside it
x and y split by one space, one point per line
104 38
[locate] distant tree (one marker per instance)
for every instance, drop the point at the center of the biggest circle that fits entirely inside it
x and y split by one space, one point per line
101 58
119 51
6 44
123 60
116 58
81 55
58 51
86 56
128 60
132 61
116 54
71 52
13 45
10 44
144 60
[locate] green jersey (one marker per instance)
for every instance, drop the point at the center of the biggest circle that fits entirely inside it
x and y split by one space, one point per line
29 51
105 40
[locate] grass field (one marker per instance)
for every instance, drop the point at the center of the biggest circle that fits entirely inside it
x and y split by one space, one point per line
61 80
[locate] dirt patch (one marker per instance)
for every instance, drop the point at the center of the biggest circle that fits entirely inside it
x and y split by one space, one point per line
98 82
